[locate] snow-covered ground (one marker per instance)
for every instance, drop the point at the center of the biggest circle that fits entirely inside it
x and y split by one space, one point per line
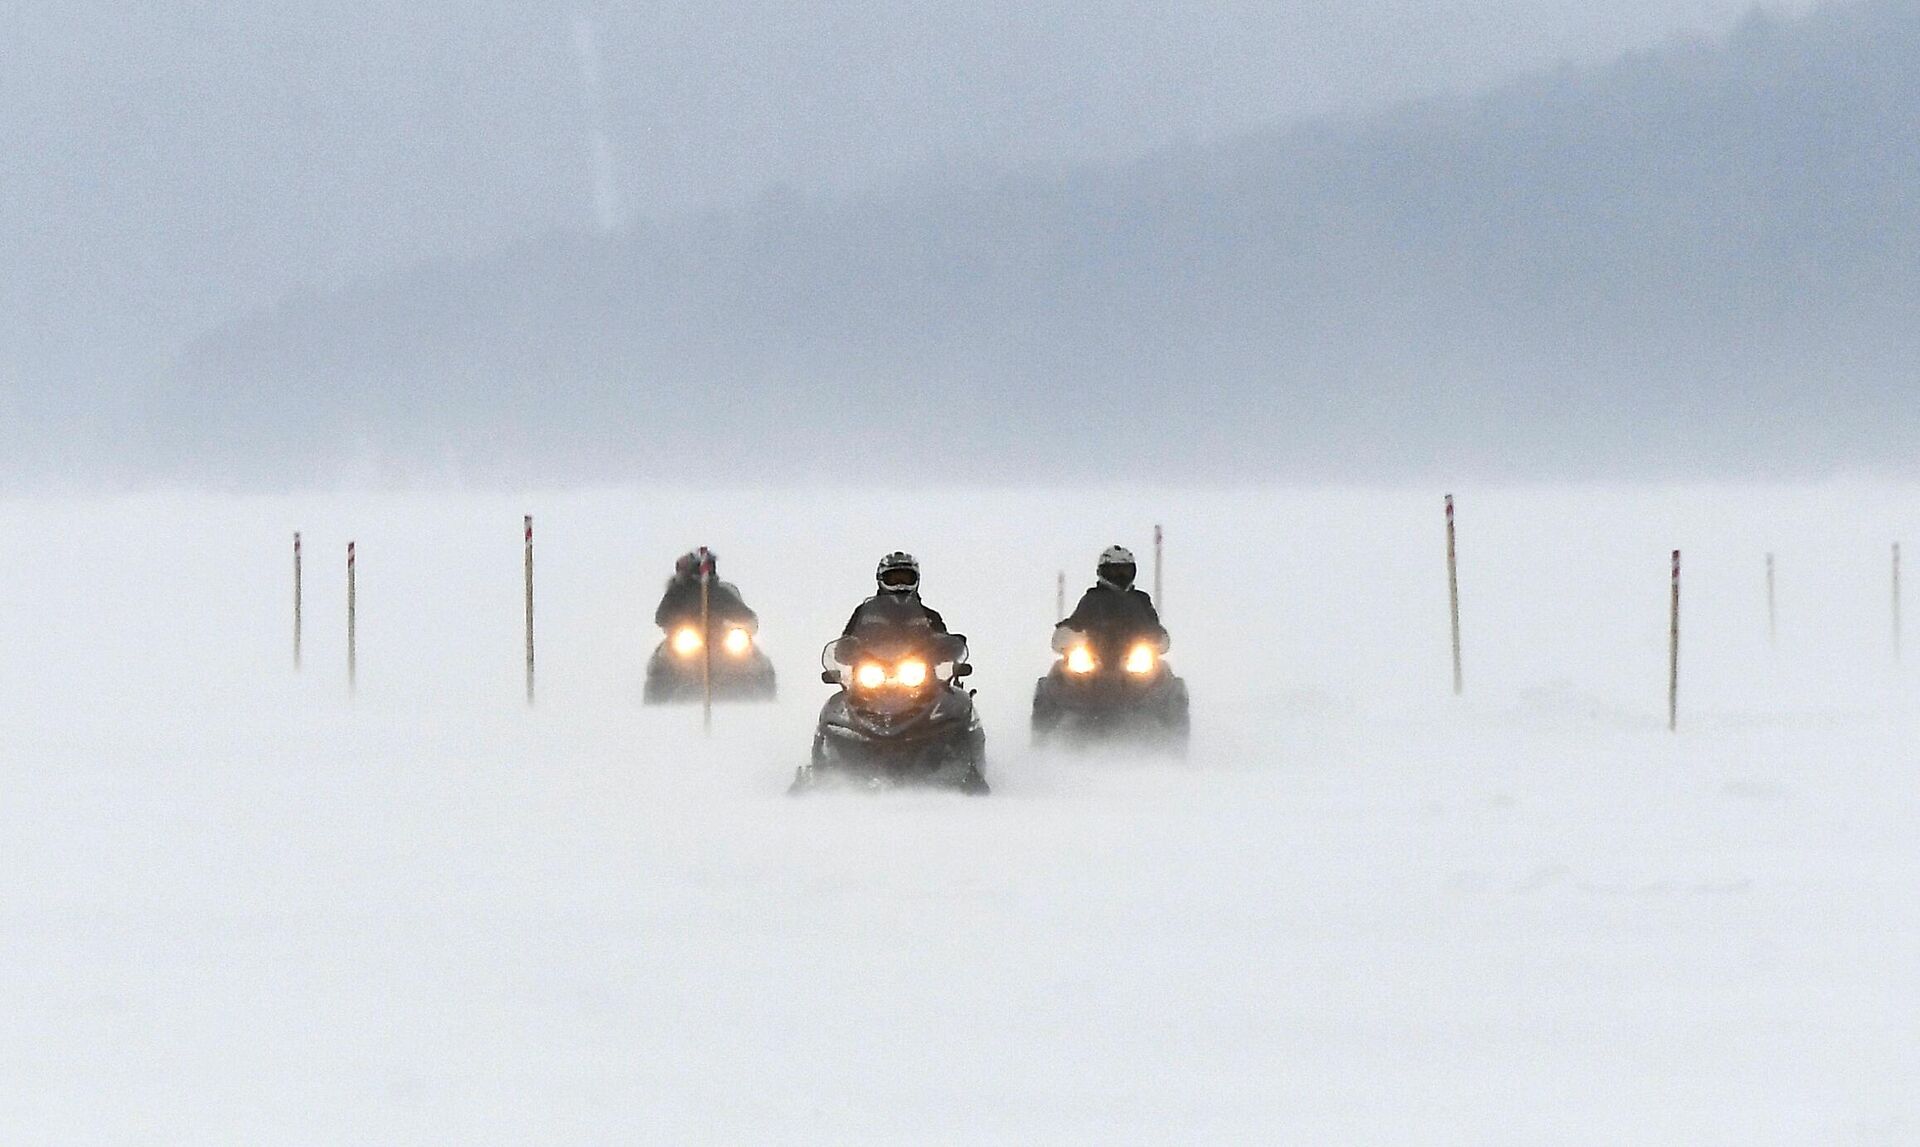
235 907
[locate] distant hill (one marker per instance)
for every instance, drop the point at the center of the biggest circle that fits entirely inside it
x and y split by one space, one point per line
1702 259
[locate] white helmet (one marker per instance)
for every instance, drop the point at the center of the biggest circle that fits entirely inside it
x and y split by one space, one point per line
1117 567
898 573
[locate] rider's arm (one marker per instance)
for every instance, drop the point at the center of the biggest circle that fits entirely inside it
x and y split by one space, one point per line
1149 615
1078 619
845 646
728 605
668 611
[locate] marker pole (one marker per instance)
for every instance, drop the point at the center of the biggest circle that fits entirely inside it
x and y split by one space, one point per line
1773 623
296 601
1673 650
706 643
529 603
1159 546
352 621
1453 596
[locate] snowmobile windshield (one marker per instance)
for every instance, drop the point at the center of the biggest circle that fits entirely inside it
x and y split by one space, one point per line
1103 640
906 661
719 621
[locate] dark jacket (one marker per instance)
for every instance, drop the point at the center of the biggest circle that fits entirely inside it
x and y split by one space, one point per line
1113 616
886 614
680 605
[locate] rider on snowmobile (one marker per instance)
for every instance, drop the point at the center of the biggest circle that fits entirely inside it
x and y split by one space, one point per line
897 605
680 605
1113 611
1111 680
896 719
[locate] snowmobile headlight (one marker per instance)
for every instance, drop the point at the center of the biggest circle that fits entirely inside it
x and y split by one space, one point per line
1079 659
686 641
738 641
1140 659
912 674
871 675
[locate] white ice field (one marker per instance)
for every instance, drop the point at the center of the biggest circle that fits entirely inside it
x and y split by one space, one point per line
236 908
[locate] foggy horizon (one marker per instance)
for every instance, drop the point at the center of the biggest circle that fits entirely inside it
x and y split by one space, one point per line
1409 223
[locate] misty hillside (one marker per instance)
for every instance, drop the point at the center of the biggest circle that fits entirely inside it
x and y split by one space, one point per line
1673 262
169 165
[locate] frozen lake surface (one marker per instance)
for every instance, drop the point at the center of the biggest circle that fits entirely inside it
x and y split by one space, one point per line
236 907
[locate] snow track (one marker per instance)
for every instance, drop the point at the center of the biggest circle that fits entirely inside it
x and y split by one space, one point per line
236 908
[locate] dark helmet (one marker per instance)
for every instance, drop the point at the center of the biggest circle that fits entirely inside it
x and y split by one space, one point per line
898 573
1116 567
688 564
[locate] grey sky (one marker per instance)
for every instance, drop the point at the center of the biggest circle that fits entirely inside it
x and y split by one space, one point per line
719 99
166 163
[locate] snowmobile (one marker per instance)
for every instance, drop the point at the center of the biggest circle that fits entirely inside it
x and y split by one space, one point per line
900 719
730 652
1116 689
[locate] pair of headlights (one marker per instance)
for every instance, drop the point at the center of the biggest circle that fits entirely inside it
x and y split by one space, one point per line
1140 660
910 674
687 641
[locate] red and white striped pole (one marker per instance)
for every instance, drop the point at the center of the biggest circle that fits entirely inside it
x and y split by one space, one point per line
529 603
353 666
1060 595
296 601
1673 650
1453 597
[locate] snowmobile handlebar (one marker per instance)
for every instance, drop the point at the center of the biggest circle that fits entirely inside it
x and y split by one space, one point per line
718 623
846 661
1065 637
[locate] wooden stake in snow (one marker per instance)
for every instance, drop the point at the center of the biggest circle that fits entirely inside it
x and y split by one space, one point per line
706 642
529 584
1896 601
1673 650
1060 595
296 601
1773 627
1159 546
1453 597
352 650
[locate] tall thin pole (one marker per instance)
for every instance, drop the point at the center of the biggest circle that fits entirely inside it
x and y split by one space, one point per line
296 601
1060 595
1673 650
1453 597
706 642
1773 625
352 650
1159 546
529 568
1896 601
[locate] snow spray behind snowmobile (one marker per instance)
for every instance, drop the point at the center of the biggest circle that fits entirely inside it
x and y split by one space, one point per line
900 718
